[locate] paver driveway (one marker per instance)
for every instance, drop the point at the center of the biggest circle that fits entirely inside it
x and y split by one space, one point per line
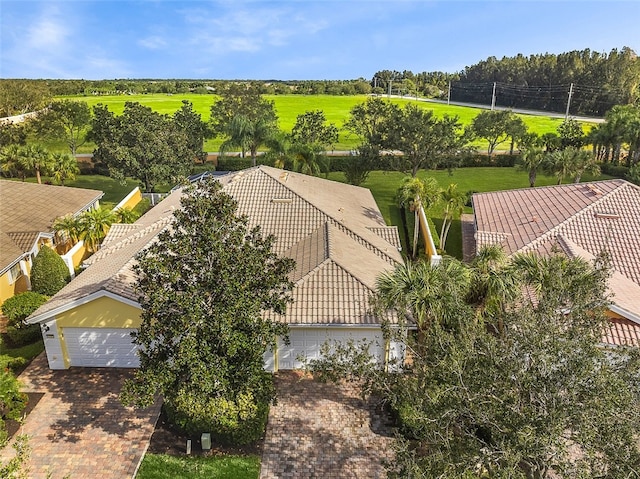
323 431
79 428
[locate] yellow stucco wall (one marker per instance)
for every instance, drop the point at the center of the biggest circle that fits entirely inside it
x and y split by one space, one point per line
100 313
8 289
131 200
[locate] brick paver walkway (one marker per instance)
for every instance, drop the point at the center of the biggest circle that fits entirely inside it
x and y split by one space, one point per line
78 428
323 431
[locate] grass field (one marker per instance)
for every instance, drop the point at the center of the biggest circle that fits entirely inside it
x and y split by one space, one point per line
288 107
161 466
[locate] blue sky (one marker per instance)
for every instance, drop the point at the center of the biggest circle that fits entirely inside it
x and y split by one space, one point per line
295 39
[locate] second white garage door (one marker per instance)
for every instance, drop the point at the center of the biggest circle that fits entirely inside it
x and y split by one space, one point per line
101 347
307 342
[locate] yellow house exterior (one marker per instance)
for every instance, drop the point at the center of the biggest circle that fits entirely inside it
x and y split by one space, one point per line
10 285
103 312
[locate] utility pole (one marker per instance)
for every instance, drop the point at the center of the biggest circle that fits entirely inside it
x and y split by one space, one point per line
449 94
493 97
390 82
566 115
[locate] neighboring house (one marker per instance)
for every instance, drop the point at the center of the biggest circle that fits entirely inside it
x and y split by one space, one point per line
580 220
333 231
27 213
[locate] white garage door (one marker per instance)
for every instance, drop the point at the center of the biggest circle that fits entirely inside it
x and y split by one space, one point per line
101 347
307 342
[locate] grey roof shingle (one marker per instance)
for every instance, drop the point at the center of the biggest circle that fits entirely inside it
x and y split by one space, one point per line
334 231
27 209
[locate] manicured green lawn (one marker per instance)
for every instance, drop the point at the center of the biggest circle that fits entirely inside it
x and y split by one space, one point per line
161 466
288 107
27 352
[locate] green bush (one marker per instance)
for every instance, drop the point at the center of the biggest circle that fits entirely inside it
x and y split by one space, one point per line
237 164
232 422
20 335
49 273
20 306
617 171
12 401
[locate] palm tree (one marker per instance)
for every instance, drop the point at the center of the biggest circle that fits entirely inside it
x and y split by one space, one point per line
493 285
280 150
248 135
415 193
125 216
454 202
238 132
95 224
35 158
424 293
532 158
68 228
570 162
309 158
64 167
11 161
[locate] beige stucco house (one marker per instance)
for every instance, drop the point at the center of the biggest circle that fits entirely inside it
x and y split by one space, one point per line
333 231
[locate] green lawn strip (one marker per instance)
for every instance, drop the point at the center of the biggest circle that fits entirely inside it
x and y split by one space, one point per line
28 351
161 466
288 107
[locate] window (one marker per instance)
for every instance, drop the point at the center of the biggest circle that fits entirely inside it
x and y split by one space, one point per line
14 273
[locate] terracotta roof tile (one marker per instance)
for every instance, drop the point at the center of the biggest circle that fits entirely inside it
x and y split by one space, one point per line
581 219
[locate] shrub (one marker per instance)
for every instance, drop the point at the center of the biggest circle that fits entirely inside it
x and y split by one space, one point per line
49 272
20 306
234 422
21 335
617 171
12 401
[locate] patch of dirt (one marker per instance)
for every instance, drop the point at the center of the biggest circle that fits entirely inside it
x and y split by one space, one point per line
166 440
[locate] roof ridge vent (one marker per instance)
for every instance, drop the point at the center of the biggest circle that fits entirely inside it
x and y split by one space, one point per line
610 216
282 200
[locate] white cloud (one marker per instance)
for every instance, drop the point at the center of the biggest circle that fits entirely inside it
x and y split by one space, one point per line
153 42
231 27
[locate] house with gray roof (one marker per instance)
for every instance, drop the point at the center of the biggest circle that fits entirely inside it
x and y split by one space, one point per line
27 214
335 233
580 220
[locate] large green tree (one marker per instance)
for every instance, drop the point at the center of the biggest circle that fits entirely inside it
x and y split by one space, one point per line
205 287
244 118
189 121
67 120
495 127
527 391
142 144
424 140
311 128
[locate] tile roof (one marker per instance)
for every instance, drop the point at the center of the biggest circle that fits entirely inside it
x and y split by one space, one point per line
27 209
581 219
334 231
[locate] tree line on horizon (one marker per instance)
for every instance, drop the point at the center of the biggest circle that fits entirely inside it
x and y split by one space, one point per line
592 82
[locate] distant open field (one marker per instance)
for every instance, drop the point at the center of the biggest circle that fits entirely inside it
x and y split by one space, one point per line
288 107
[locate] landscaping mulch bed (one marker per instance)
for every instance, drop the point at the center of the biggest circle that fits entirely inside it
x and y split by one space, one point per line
165 440
14 426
